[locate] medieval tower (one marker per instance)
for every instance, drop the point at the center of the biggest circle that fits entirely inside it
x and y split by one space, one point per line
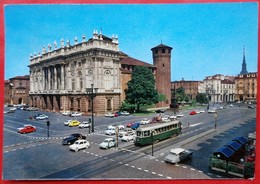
162 61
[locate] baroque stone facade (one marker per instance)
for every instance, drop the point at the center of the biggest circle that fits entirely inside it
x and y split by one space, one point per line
59 77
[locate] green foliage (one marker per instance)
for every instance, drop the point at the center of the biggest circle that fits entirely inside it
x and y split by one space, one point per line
202 98
141 88
180 95
162 97
127 107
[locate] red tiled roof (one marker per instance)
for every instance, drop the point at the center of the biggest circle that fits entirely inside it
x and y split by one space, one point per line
135 62
161 46
25 77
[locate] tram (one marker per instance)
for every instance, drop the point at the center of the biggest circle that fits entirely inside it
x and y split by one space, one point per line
155 132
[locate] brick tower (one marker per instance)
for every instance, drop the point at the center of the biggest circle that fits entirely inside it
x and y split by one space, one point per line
162 61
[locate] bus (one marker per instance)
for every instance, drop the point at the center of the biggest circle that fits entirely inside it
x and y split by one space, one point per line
154 132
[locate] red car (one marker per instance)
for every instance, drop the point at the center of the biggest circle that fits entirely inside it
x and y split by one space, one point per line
193 113
130 124
27 129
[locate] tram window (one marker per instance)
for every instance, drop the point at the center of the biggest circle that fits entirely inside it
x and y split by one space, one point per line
146 133
138 133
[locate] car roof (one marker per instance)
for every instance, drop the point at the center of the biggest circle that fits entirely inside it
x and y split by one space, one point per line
177 150
109 139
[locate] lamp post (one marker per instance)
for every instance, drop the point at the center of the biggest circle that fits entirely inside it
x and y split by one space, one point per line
207 92
91 94
152 141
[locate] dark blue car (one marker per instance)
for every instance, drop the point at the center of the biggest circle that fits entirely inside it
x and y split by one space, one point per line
135 125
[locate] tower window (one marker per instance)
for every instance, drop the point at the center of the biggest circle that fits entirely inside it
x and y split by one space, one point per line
163 50
156 51
163 65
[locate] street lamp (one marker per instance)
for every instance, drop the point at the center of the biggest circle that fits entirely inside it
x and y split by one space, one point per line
152 141
91 94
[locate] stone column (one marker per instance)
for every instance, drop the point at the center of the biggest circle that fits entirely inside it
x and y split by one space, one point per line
49 78
62 77
55 77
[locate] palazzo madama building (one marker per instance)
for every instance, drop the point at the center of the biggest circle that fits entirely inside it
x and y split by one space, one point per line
59 77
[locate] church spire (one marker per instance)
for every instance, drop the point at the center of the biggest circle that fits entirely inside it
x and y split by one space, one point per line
244 70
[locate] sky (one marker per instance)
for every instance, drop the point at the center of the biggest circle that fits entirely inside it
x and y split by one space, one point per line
207 39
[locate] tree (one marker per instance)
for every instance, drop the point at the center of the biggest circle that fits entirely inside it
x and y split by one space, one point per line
202 98
141 88
180 95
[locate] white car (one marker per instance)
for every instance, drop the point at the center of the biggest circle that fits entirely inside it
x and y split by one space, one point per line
177 155
144 121
173 116
180 115
79 144
202 110
110 132
66 113
109 115
120 127
66 123
84 124
126 131
166 118
212 111
76 114
108 143
128 137
125 113
41 117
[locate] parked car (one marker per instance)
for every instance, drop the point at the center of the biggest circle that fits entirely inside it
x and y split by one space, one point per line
166 118
125 113
76 114
135 125
74 123
181 115
110 132
66 113
129 124
193 113
79 144
72 138
212 111
160 111
144 121
197 111
202 110
126 131
41 117
66 123
27 129
178 155
84 124
173 116
108 143
109 115
118 113
128 137
251 107
120 127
